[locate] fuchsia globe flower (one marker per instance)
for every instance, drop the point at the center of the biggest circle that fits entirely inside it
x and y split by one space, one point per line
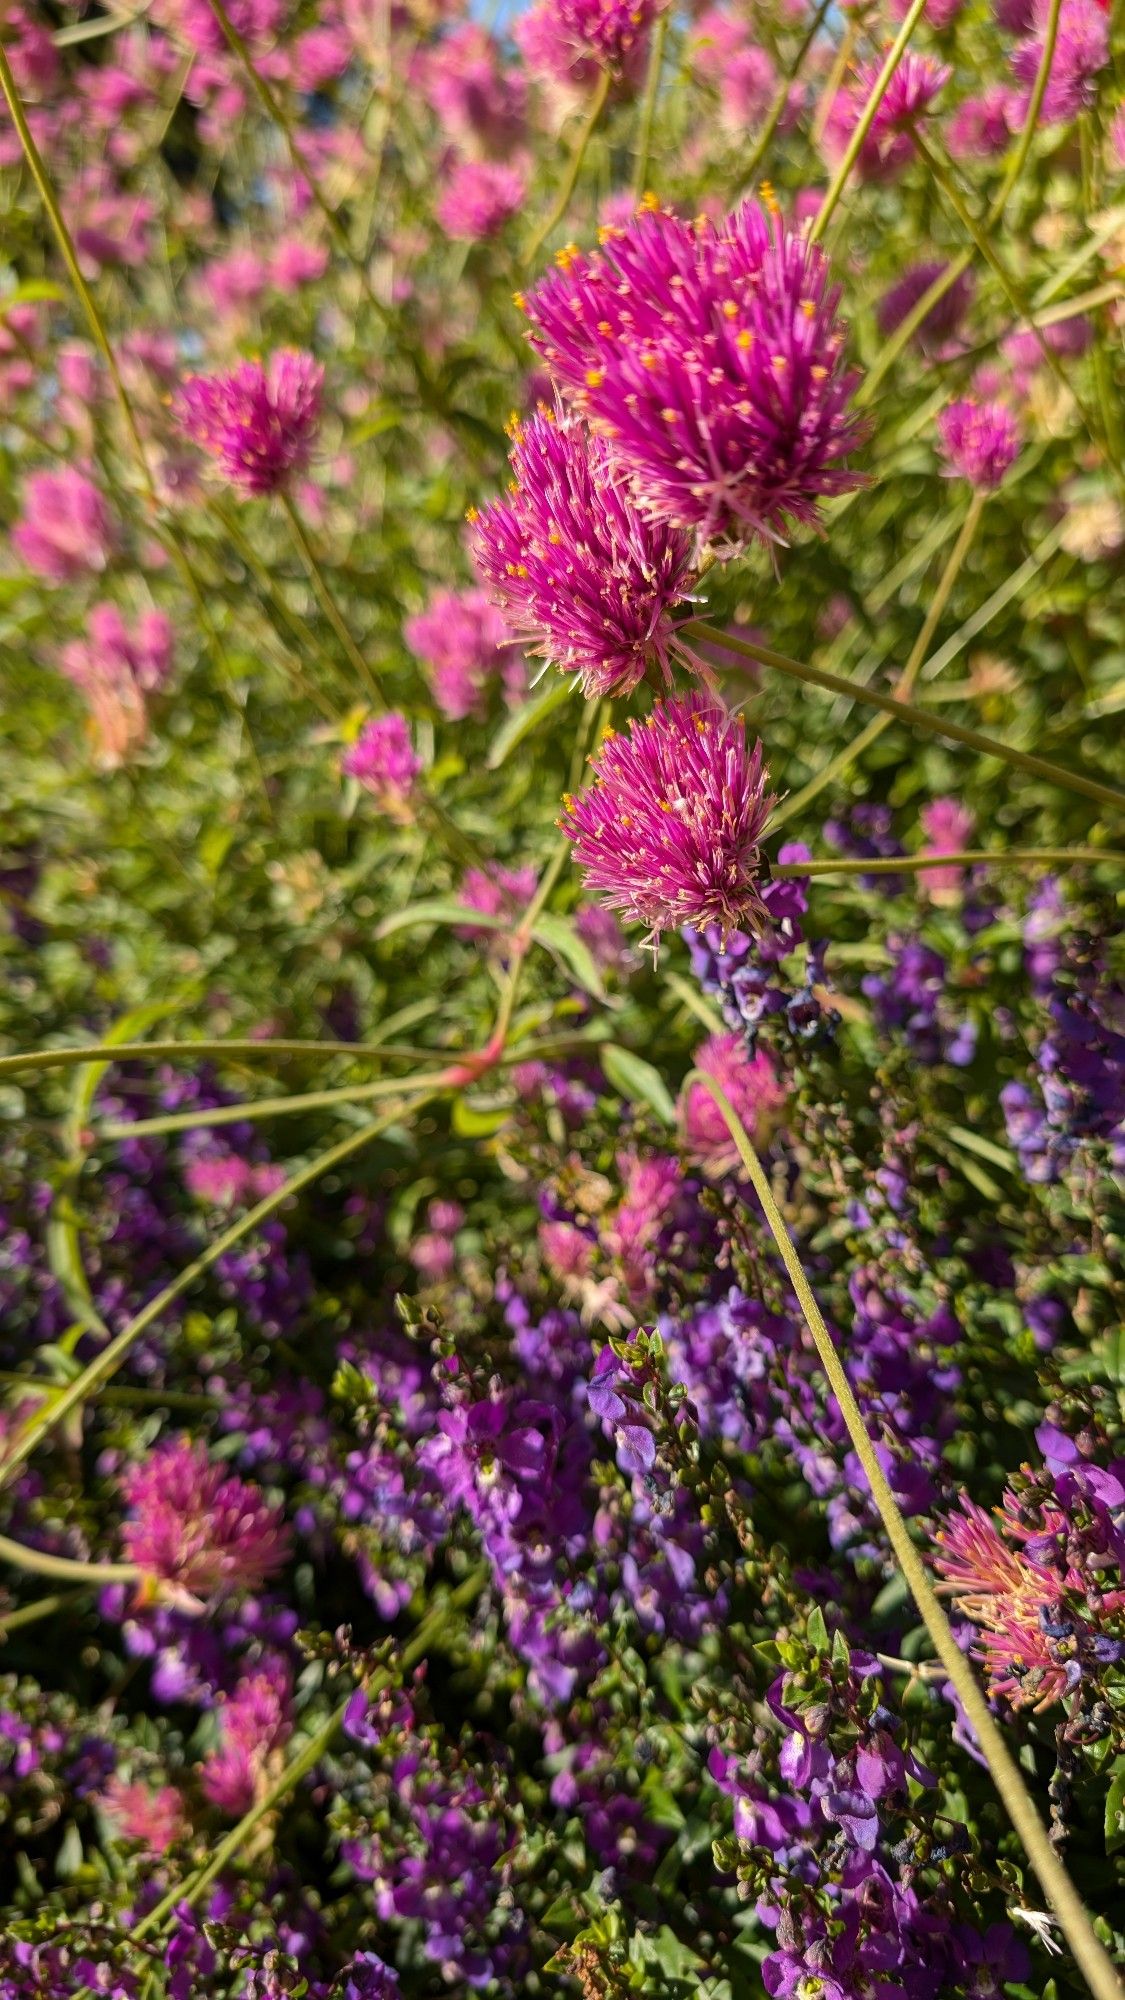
948 826
478 198
888 146
756 1093
465 647
384 761
260 422
568 41
579 574
711 360
65 530
669 831
1081 50
198 1528
979 440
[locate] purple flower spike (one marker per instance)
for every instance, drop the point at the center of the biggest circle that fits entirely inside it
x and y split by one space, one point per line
711 359
669 831
258 422
576 570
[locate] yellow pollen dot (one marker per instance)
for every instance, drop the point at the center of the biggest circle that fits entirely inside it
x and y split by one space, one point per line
808 307
649 201
778 361
567 256
768 197
744 339
649 361
595 377
472 515
670 416
519 300
730 308
605 327
818 373
521 569
554 537
568 801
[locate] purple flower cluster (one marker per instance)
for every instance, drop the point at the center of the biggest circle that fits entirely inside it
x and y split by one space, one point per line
259 422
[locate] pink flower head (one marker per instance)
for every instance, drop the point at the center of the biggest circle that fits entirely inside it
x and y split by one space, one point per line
465 646
940 14
255 1722
154 1819
948 826
478 198
579 574
888 147
226 1180
476 100
259 422
434 1252
503 892
384 761
669 831
1002 1591
979 440
197 1527
723 54
711 359
1081 50
652 1194
115 668
568 41
756 1093
982 126
65 530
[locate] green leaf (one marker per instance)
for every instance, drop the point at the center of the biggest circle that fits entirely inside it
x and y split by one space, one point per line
33 292
985 1149
470 1123
523 720
1115 1809
560 936
438 910
817 1630
636 1079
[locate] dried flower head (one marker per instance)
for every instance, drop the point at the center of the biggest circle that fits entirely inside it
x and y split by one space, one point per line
711 359
579 574
979 440
197 1527
669 831
259 422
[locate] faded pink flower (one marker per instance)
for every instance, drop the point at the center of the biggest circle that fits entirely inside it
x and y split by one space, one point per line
226 1180
384 761
503 892
980 441
888 146
259 423
948 826
569 41
65 530
669 831
465 646
152 1817
255 1723
1081 50
478 198
632 1234
478 101
756 1094
982 126
196 1527
115 668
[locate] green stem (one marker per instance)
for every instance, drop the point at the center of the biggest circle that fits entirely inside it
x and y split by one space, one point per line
907 678
69 256
905 711
561 202
327 601
42 1607
38 1563
648 106
46 1059
1031 118
780 99
265 1107
879 90
969 857
20 1445
127 1398
1090 1955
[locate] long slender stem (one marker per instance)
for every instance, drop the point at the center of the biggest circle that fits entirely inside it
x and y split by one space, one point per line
1031 116
194 1052
968 857
41 1607
1090 1955
905 711
561 202
878 91
648 106
264 1107
907 678
20 1445
37 1562
327 601
69 256
748 168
